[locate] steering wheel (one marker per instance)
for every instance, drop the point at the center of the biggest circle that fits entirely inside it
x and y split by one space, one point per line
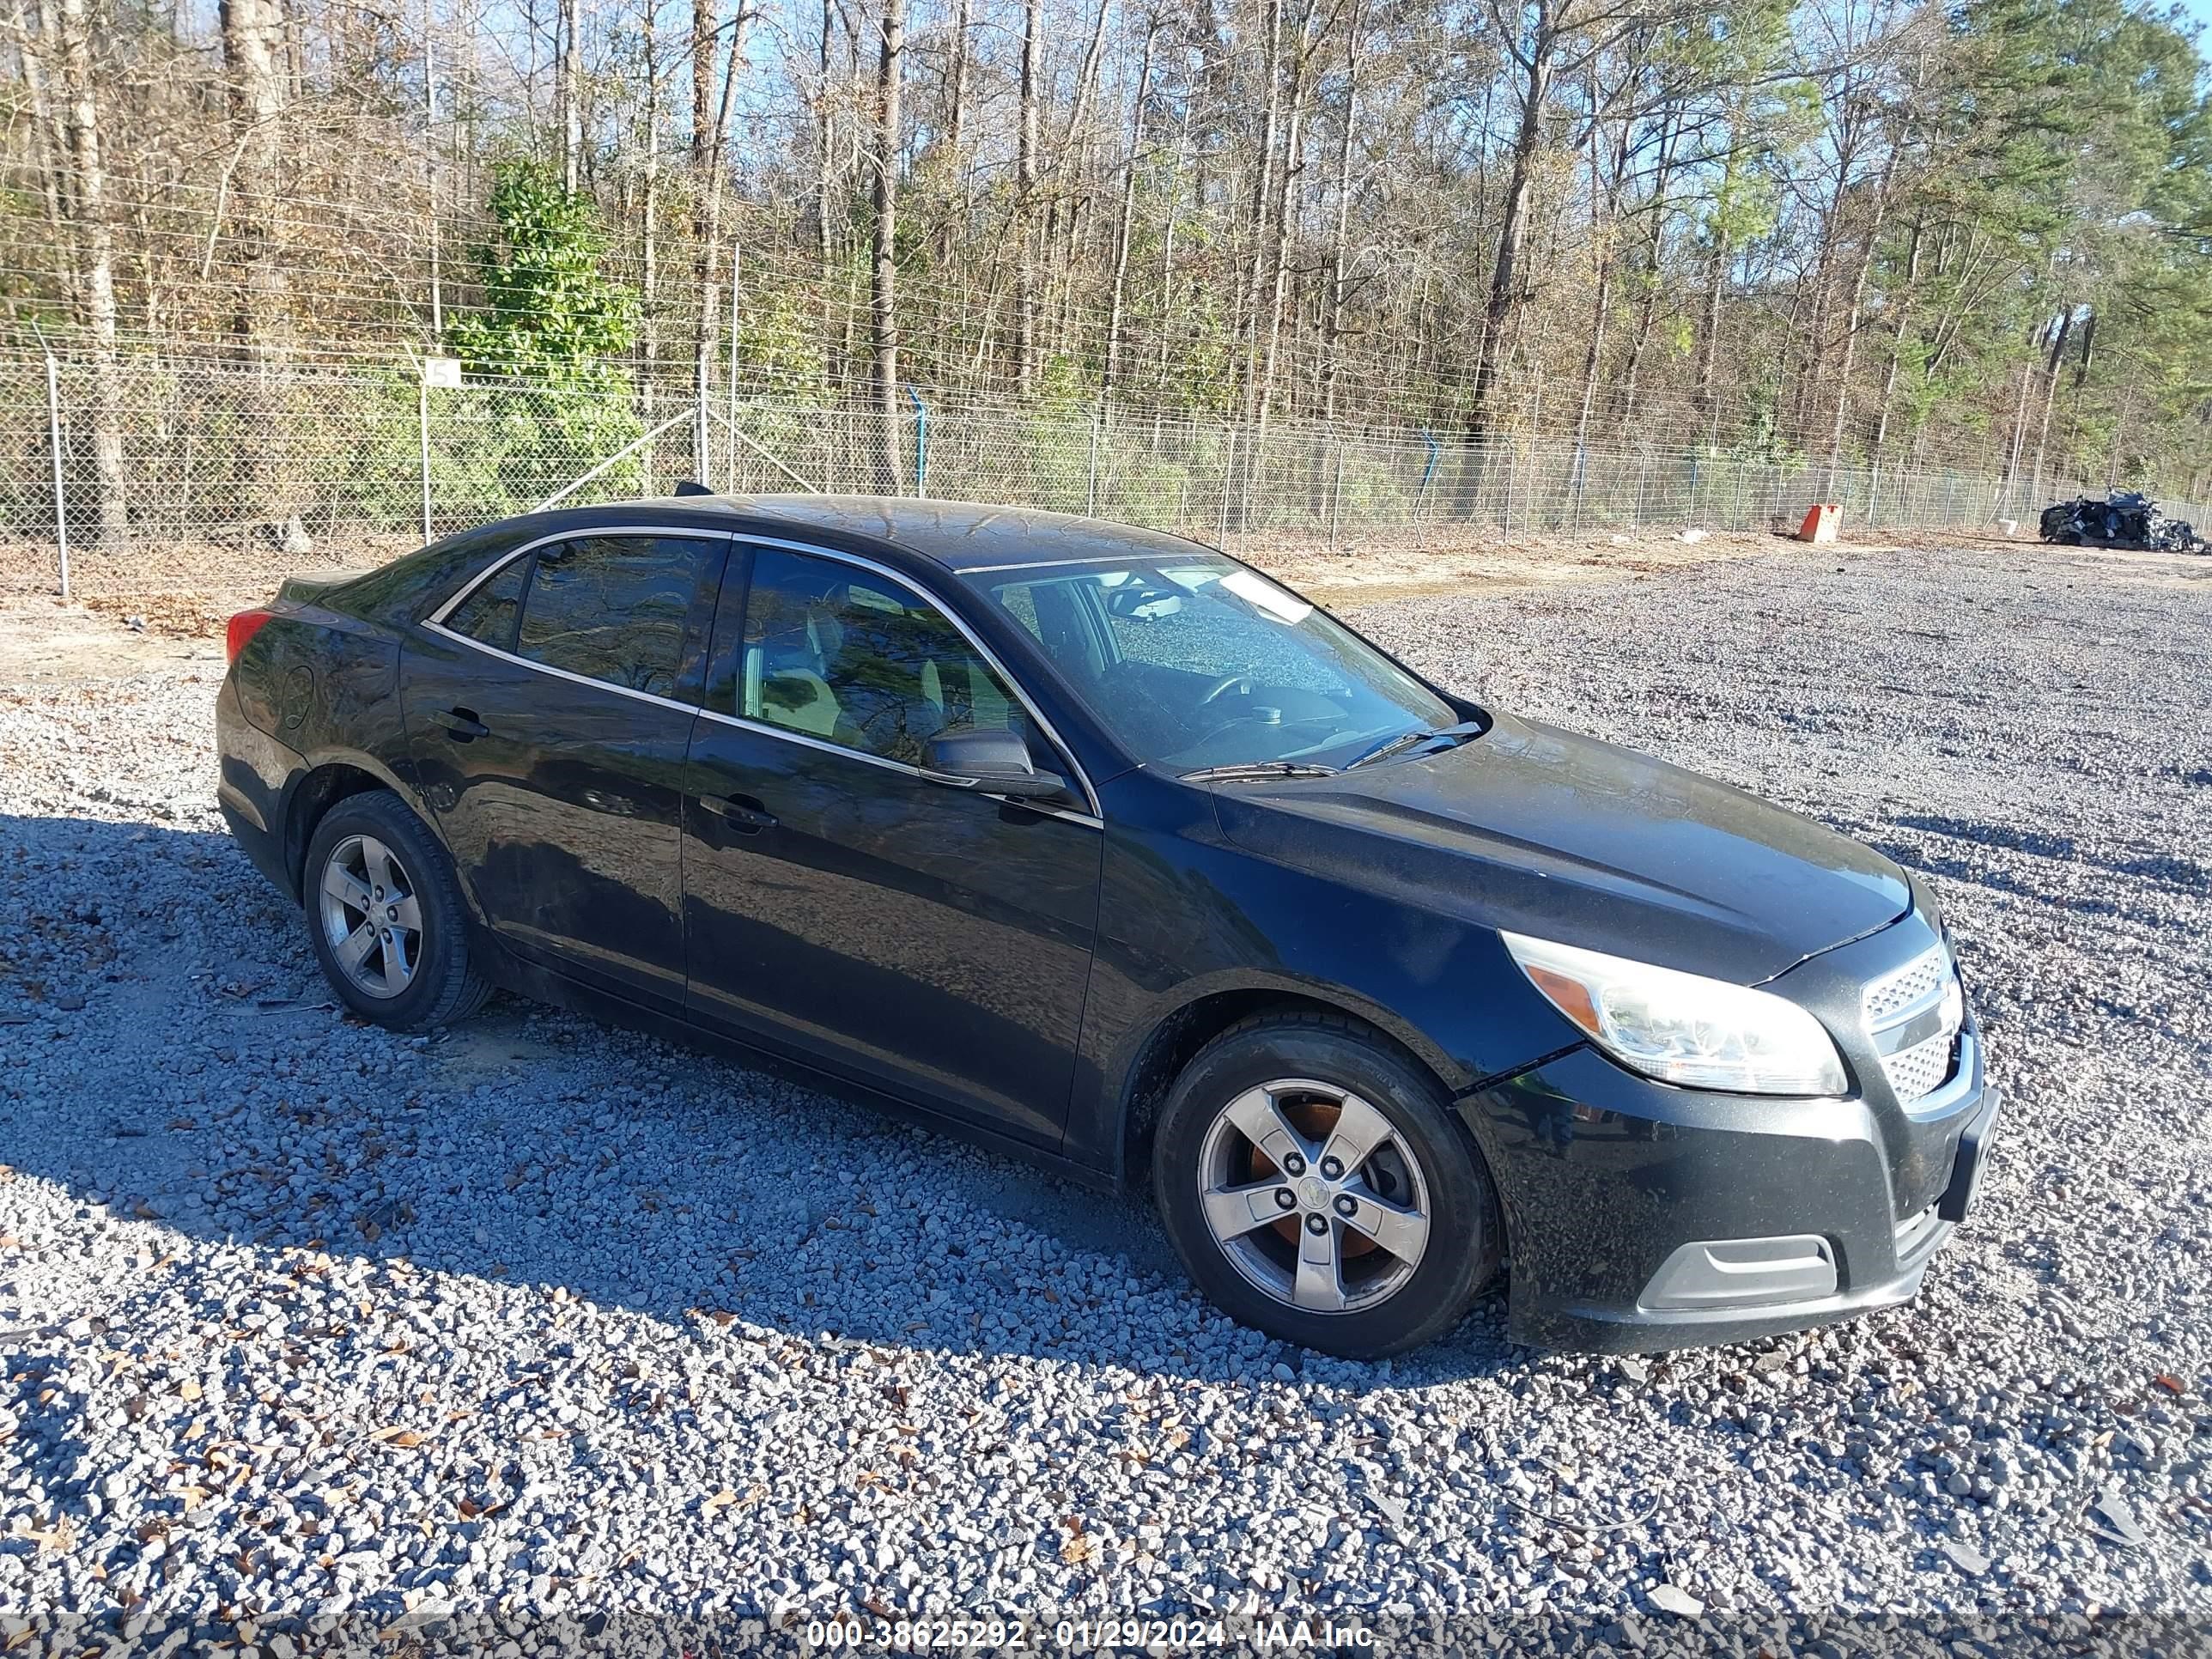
1221 687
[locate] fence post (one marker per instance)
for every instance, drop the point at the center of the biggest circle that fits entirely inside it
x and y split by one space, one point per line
703 439
423 434
920 444
54 445
1228 482
1091 490
1643 479
1336 498
1428 472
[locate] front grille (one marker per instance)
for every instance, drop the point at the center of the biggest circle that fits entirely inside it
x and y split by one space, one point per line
1917 1061
1920 1069
1895 992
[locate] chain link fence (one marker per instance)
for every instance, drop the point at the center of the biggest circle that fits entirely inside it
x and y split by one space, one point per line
102 457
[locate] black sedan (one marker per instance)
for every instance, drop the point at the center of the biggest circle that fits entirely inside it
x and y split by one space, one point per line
1111 852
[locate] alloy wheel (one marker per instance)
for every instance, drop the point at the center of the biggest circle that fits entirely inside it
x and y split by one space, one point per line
1314 1196
371 917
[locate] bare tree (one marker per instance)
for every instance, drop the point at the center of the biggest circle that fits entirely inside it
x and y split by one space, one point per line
1125 219
65 38
255 66
890 71
1026 190
571 95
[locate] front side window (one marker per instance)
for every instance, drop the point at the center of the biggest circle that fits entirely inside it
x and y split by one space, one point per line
1201 662
613 608
840 653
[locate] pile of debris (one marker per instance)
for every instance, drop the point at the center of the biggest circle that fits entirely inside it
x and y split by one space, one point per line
2125 519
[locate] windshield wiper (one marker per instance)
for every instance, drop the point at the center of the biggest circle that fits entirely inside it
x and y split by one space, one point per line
1404 740
1258 772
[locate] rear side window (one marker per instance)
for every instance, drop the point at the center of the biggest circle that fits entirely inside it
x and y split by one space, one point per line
488 615
613 608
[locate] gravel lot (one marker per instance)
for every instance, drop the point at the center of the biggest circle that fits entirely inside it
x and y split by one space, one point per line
304 1319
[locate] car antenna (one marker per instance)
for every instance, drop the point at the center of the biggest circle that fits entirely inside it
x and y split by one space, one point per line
691 486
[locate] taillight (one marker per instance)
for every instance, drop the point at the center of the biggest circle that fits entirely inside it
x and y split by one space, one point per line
242 629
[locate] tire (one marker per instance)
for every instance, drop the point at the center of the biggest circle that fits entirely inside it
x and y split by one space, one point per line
1425 1164
369 850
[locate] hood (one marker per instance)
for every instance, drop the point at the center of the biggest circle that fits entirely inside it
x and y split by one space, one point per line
1540 831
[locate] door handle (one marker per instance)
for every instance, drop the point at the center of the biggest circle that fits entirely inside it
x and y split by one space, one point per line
741 812
461 723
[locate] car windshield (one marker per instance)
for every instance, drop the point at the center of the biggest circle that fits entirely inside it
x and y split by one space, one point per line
1198 662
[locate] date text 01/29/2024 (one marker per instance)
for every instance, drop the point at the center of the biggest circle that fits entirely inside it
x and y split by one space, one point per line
1088 1635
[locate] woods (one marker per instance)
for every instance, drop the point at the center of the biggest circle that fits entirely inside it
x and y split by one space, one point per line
1842 233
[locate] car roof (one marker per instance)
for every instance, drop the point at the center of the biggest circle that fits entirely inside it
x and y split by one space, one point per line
966 536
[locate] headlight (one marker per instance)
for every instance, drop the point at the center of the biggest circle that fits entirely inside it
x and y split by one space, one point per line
1682 1028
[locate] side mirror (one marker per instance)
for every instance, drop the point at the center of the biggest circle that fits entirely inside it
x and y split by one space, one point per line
993 762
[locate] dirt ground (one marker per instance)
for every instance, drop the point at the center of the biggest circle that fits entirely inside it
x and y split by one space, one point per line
142 605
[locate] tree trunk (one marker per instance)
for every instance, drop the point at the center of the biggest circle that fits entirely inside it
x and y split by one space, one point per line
1025 183
1126 219
572 96
1709 331
825 153
1503 307
2060 333
1858 303
702 80
1247 306
707 169
1285 178
956 122
649 216
1340 273
1605 202
1897 335
68 34
254 66
890 67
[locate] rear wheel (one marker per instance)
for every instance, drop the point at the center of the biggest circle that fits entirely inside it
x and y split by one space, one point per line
1316 1186
386 917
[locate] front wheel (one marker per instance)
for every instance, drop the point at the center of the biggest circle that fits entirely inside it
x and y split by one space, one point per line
386 916
1311 1178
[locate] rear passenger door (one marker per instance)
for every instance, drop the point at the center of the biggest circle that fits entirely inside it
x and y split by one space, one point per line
548 708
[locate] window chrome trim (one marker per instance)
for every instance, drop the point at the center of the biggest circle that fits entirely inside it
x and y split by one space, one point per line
563 673
952 614
437 617
805 740
435 623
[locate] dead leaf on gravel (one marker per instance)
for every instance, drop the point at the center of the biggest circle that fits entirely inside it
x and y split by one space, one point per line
407 1439
721 1500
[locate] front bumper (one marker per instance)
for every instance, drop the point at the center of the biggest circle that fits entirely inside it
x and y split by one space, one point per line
1646 1217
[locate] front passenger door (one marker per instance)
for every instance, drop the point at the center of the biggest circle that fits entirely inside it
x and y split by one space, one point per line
930 941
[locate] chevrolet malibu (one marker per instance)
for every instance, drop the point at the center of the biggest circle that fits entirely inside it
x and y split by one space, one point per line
1106 850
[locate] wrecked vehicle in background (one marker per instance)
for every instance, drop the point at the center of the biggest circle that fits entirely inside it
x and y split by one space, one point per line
2125 519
